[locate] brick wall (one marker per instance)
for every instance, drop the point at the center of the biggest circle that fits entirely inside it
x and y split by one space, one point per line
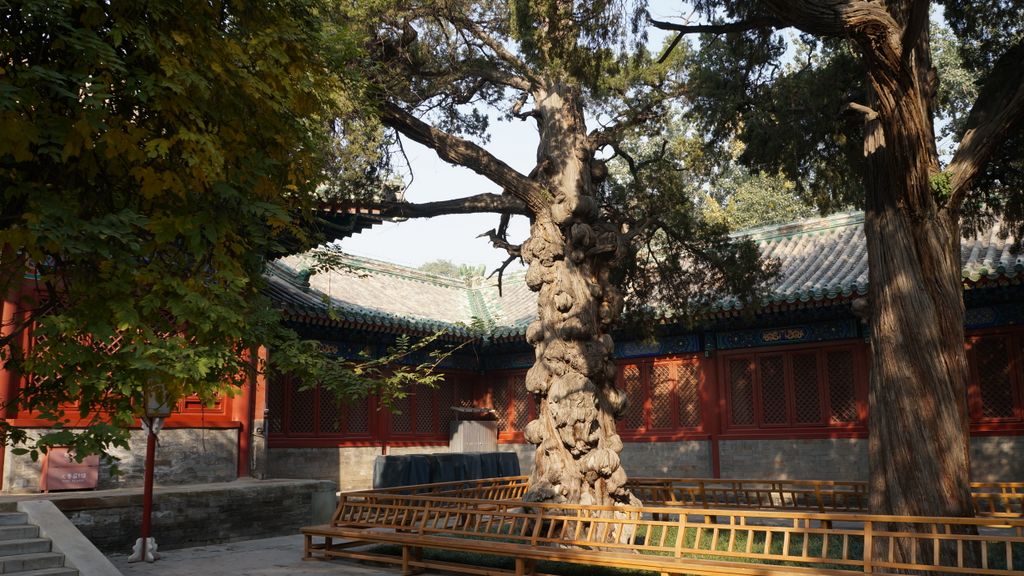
183 456
827 459
350 467
997 458
200 515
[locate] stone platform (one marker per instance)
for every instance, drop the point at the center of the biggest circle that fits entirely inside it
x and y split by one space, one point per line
197 514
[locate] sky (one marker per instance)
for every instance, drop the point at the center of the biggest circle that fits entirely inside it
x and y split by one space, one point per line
454 238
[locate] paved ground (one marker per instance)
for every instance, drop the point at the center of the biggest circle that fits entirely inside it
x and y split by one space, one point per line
281 556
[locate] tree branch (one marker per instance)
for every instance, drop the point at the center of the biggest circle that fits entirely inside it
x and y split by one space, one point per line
526 76
741 26
460 152
684 29
917 23
480 203
998 109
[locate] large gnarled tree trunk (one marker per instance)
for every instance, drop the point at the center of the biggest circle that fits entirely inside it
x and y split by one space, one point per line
569 254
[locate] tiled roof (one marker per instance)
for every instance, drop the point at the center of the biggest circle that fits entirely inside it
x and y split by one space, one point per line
368 293
821 260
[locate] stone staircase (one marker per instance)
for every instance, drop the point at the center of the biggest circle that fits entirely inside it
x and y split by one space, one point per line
23 552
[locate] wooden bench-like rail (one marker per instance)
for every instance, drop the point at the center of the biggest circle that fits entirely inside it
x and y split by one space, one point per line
669 540
996 499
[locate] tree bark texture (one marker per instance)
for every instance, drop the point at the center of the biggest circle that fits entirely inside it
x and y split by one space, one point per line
570 255
919 458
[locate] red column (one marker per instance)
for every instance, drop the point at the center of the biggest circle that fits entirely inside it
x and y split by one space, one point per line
242 412
712 408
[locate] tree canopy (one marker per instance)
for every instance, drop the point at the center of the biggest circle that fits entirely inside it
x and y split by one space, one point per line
152 156
612 207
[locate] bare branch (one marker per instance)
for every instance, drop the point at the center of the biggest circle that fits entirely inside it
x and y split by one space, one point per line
684 29
499 239
741 26
869 113
998 109
478 204
461 152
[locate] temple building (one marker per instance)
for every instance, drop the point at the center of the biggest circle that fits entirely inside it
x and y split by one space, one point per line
779 393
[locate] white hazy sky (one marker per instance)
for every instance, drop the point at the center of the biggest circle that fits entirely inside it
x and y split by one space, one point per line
454 238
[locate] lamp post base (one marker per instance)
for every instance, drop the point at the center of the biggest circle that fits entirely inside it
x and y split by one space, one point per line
145 553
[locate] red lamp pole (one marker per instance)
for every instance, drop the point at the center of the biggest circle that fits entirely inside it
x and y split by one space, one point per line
147 491
158 407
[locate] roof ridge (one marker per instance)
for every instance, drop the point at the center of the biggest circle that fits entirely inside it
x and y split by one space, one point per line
801 227
399 270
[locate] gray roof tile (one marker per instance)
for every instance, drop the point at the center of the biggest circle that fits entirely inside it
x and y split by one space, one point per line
820 259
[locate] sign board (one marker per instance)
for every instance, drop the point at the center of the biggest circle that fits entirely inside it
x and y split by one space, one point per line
62 472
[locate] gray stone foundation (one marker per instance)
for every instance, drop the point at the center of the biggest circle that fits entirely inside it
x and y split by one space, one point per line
183 456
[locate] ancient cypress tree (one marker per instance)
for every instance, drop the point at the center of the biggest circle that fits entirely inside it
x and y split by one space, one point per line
441 68
854 119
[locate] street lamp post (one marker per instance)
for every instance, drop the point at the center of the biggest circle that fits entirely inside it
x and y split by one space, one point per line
158 407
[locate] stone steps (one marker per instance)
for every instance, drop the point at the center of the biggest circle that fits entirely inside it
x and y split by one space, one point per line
24 553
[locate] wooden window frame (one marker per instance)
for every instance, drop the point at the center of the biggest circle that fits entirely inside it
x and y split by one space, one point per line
507 378
1014 336
824 427
647 432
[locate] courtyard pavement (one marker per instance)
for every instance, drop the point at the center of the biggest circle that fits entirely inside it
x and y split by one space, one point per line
281 556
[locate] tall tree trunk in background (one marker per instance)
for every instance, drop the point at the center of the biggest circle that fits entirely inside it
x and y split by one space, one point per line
570 257
919 459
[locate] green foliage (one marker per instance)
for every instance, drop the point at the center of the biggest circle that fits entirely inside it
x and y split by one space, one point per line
783 96
752 200
389 377
452 270
786 114
152 154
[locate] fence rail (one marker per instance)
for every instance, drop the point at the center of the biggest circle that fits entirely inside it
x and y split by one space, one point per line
669 539
991 499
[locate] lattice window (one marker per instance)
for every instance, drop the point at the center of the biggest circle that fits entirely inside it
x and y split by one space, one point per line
633 386
662 387
301 418
806 392
741 391
330 412
688 389
520 402
357 416
501 400
401 416
424 408
448 396
841 392
275 405
992 357
773 390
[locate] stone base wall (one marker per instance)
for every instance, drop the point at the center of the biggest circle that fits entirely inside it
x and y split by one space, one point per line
994 458
819 459
183 456
350 467
199 515
997 458
687 459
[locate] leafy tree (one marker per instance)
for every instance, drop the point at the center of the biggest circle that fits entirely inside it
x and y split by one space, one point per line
440 71
152 156
874 60
452 270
